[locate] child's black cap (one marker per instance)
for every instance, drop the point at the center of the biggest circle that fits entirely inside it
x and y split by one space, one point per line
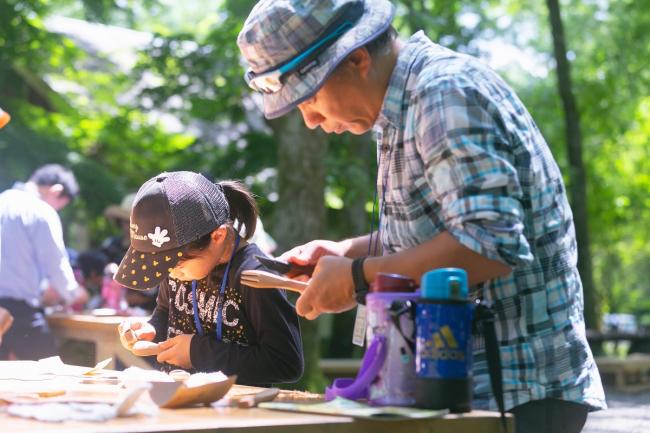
169 211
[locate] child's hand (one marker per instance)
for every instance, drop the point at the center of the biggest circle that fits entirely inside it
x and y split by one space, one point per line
133 330
176 351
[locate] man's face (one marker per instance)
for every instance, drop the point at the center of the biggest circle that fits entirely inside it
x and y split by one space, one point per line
342 103
55 197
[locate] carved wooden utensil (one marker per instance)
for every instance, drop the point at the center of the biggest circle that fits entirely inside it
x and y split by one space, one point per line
267 280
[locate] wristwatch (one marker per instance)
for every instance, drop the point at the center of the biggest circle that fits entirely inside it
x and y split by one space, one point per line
359 279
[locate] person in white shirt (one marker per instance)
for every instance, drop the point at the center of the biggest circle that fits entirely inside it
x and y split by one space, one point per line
32 252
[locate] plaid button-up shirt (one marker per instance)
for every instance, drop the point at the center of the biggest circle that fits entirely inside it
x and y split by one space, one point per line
459 152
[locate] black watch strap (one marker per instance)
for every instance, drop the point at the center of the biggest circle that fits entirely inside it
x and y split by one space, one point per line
359 279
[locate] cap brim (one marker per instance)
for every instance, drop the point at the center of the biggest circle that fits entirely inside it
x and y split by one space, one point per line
298 88
141 271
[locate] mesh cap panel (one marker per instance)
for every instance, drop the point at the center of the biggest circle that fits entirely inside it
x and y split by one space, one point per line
197 205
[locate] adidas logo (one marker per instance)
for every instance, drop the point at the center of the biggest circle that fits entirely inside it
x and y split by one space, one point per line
445 337
442 346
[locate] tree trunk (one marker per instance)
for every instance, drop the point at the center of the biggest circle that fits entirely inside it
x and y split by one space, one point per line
300 212
363 148
577 176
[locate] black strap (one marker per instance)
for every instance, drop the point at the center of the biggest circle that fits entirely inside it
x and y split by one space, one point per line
485 317
396 310
359 279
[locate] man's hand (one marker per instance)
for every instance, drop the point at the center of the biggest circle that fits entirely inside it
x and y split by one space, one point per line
79 299
176 351
134 330
331 289
50 297
309 253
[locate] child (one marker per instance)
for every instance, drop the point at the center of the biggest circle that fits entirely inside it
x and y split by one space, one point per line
184 238
89 269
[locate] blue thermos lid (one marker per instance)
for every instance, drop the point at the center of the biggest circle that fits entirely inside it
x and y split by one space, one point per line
445 283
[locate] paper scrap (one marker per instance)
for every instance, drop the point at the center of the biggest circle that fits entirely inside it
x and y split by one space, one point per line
344 407
100 365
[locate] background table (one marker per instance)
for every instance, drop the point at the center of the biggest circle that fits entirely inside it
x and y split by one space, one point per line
99 330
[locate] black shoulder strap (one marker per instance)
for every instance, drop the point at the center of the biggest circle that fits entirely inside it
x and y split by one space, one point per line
485 318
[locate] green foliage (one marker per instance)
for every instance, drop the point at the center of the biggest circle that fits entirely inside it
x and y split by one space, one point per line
612 81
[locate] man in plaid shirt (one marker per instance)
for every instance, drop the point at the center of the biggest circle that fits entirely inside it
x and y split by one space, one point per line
465 179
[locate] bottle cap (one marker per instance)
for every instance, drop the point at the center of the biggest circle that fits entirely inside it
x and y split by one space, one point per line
445 283
392 283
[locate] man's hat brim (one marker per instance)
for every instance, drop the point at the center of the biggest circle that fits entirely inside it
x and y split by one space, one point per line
299 88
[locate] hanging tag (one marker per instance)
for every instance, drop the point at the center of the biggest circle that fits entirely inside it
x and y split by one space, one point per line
359 333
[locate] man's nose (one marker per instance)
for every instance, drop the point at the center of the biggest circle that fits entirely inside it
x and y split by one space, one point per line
311 118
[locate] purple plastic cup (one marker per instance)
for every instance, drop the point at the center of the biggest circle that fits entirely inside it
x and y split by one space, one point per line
396 380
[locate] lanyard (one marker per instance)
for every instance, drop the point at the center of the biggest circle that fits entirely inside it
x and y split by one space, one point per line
382 199
222 290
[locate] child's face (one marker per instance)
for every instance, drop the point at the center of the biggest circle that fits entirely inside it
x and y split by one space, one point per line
201 263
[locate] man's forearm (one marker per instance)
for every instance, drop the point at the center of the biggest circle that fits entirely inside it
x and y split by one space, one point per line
357 247
440 252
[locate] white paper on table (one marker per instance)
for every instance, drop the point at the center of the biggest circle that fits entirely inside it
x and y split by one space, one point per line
54 365
135 375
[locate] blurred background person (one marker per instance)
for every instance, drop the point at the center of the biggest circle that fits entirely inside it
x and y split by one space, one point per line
115 247
32 251
89 271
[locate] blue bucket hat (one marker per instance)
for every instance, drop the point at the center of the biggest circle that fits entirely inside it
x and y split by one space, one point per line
293 46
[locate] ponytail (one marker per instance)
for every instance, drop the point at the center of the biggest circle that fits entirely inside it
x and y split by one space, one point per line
243 207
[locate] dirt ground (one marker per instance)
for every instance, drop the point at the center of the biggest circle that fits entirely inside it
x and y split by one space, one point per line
627 413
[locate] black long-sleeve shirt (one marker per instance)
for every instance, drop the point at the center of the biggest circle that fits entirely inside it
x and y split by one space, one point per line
260 332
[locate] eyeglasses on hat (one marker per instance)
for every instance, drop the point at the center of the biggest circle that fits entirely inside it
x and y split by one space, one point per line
272 80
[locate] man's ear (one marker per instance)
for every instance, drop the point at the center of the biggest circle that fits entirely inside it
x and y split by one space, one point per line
360 60
56 189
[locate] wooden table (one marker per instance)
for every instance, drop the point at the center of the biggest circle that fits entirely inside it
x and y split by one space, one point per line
102 331
260 420
207 419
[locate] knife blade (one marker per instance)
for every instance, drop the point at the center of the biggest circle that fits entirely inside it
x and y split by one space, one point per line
284 267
